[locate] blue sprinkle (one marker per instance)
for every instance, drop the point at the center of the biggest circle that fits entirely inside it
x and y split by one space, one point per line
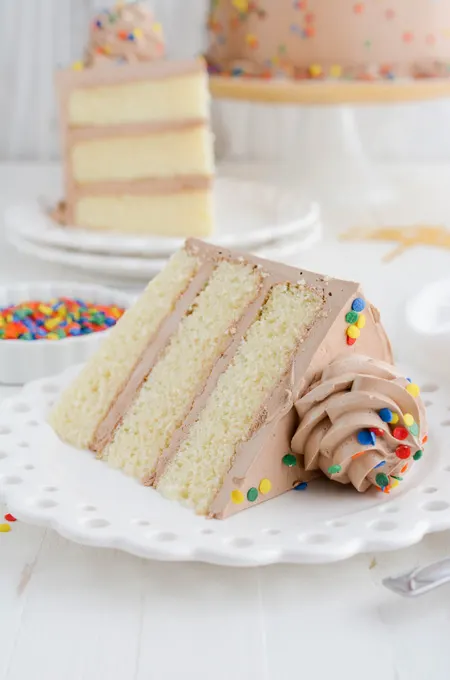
98 24
366 438
385 415
409 380
110 321
130 36
383 462
75 331
237 71
301 487
358 305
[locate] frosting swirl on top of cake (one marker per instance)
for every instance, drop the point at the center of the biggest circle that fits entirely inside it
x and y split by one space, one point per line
126 33
362 423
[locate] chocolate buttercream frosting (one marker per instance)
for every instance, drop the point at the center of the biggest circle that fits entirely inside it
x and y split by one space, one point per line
361 423
127 33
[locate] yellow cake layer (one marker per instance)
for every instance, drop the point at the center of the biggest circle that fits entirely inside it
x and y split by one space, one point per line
169 99
189 213
198 469
85 403
164 154
168 393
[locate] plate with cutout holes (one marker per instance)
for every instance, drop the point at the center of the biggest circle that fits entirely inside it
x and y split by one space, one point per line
47 483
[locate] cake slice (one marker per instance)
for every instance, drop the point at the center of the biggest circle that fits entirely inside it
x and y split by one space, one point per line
193 392
138 153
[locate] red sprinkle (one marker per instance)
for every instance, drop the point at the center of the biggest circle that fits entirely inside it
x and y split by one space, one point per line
378 432
10 518
400 433
350 341
403 452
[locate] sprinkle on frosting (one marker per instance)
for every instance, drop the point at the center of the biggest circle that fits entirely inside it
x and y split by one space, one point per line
334 469
265 486
403 451
128 33
237 496
380 42
301 487
353 405
289 460
252 494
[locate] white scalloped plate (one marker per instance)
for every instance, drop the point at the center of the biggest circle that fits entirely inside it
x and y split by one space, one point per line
48 483
249 214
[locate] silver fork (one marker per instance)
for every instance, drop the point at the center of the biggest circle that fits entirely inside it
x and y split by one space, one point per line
420 580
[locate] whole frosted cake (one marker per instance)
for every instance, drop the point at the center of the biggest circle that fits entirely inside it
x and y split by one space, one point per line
350 39
234 379
135 126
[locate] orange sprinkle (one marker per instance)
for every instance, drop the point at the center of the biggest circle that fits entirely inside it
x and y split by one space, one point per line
387 489
425 439
122 35
404 468
357 455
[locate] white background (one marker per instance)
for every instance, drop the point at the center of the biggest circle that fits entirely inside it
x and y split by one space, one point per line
36 36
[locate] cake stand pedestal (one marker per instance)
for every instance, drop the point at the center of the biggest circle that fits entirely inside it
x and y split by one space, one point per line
312 128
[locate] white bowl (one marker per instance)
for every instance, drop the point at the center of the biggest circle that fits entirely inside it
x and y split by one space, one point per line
21 360
428 317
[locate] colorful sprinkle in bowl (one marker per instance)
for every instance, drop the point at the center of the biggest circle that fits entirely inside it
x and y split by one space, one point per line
23 360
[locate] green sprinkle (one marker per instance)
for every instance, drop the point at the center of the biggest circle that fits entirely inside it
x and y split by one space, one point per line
334 469
23 313
418 455
414 429
289 460
352 317
382 480
252 494
397 477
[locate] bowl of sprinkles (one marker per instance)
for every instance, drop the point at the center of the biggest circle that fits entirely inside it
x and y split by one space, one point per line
46 327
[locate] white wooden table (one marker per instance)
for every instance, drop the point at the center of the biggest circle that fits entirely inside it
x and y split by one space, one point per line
69 612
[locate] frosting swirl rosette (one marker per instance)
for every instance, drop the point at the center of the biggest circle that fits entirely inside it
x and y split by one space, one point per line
126 33
362 423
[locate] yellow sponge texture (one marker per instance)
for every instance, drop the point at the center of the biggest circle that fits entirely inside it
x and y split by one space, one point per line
168 393
86 402
199 467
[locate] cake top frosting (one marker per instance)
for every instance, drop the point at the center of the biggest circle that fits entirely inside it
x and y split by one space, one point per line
316 39
128 33
362 423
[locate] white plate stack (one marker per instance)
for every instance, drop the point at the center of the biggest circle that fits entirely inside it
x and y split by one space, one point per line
251 215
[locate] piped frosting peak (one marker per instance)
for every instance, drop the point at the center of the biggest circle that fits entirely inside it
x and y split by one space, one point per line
362 423
127 33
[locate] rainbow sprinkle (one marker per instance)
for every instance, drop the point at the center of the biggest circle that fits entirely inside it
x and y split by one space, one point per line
55 320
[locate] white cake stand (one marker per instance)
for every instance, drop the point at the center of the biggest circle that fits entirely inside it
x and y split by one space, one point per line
313 127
